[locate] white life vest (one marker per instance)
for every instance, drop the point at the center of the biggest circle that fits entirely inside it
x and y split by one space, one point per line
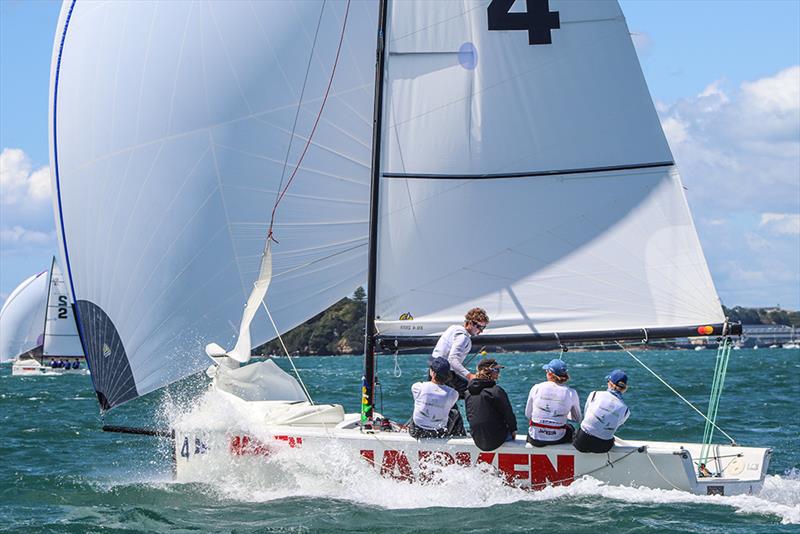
548 407
605 413
454 345
432 404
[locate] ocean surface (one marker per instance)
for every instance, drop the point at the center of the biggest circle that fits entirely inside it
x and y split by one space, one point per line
60 473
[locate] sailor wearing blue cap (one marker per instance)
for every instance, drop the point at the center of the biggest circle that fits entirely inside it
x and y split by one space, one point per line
549 405
605 413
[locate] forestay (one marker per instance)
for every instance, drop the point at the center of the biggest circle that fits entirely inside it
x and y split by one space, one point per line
173 127
527 173
60 332
22 318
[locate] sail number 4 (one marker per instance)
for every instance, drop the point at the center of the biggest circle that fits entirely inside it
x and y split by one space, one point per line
537 19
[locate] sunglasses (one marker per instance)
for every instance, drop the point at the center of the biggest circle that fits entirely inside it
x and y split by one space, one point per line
479 326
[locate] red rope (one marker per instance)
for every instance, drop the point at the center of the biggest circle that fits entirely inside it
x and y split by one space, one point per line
316 122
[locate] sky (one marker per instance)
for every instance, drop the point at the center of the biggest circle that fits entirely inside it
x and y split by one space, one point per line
724 75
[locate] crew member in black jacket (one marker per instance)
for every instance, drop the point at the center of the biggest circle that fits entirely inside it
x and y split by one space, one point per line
489 411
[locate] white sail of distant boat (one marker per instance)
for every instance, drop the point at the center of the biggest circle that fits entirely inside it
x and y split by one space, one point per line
517 164
61 337
22 318
36 323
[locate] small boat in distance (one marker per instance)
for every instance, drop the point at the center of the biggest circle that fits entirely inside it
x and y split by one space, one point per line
37 328
262 155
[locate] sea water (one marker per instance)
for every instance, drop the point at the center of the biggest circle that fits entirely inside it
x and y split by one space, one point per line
60 473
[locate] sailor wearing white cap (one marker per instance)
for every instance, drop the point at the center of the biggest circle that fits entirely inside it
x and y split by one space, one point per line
605 413
549 405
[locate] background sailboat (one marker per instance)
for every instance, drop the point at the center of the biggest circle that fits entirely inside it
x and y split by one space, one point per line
22 318
37 327
517 164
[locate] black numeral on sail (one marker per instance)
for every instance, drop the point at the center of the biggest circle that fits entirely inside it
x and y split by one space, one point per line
62 309
185 448
538 20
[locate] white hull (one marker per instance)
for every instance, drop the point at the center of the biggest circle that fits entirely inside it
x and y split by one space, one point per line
297 428
34 368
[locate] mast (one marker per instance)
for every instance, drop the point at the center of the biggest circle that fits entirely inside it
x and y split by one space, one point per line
368 385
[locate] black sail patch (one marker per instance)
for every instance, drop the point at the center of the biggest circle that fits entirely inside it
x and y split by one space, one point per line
111 371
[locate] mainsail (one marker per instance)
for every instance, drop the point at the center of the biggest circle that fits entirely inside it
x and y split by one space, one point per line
524 170
174 125
22 318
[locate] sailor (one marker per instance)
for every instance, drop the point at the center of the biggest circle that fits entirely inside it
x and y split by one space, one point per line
549 405
432 403
491 418
605 413
76 364
52 363
454 345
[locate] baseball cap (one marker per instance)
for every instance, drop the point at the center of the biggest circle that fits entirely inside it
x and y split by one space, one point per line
556 366
617 376
440 366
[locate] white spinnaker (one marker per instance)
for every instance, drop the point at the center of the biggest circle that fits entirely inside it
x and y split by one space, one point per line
60 331
531 180
22 318
170 126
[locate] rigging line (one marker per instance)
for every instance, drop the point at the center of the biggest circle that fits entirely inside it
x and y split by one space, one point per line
302 93
314 128
692 406
609 463
286 351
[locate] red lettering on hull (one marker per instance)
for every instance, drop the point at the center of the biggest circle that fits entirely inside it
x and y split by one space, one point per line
507 463
543 473
369 456
534 468
247 446
395 465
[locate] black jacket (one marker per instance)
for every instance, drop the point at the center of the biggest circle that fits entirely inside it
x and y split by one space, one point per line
489 413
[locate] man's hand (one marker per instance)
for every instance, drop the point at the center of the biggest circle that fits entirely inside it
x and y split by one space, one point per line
470 376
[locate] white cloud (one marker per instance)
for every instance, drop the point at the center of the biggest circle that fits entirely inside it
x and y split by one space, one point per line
20 184
675 130
22 236
738 149
781 223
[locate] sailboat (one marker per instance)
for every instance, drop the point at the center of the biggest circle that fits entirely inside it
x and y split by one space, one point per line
453 154
37 328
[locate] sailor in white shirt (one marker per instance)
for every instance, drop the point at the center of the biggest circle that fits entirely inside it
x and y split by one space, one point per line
549 405
432 403
605 413
454 345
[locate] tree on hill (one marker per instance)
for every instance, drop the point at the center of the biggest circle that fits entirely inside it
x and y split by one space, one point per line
337 330
762 316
